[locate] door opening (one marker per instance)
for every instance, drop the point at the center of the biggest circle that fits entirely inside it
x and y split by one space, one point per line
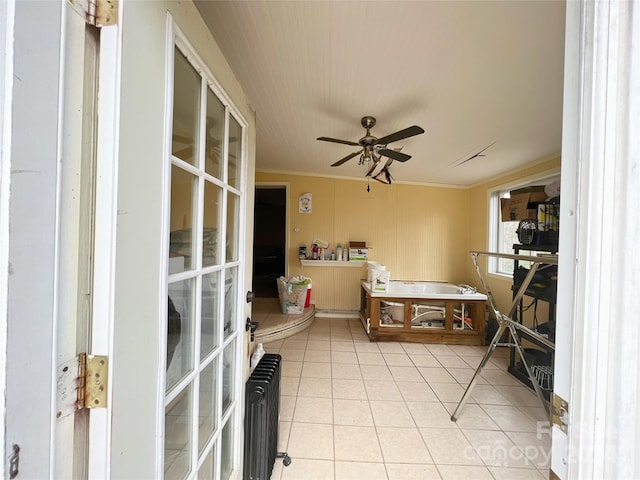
269 238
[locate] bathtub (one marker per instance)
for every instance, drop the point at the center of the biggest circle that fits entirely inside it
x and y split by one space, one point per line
426 290
419 311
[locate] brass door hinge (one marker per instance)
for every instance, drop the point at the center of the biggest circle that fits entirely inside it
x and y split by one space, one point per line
82 383
559 412
99 13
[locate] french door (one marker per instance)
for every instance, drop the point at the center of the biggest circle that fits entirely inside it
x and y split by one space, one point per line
204 341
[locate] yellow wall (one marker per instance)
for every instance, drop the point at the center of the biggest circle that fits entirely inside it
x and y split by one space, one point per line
419 232
479 223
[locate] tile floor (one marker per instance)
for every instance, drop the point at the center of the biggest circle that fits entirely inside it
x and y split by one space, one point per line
352 409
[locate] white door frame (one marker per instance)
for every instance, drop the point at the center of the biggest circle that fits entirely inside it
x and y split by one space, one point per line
598 361
7 12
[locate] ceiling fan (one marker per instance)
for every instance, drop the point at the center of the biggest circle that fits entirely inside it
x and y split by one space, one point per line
372 148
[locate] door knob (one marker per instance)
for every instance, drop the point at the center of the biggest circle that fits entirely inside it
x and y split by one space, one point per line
250 296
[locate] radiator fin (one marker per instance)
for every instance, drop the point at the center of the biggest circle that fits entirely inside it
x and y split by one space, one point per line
262 407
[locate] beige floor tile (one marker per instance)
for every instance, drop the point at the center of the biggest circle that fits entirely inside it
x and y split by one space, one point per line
496 449
360 471
291 354
346 371
416 348
300 335
375 372
390 347
320 384
538 414
405 374
291 369
310 440
430 415
472 417
500 377
307 469
284 428
321 345
315 387
355 443
436 375
313 410
510 419
371 347
452 361
275 345
390 414
416 392
293 344
536 447
382 390
398 359
349 389
469 350
371 359
464 375
460 472
287 406
519 395
317 370
352 412
342 335
449 447
359 336
289 385
402 445
487 395
344 357
317 356
437 349
502 473
408 471
448 392
424 360
342 346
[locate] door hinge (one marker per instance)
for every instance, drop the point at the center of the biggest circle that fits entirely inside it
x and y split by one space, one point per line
99 13
82 383
559 412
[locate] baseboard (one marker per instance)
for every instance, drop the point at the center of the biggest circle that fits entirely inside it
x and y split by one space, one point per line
328 313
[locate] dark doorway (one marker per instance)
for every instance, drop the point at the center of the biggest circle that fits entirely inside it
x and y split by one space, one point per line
269 239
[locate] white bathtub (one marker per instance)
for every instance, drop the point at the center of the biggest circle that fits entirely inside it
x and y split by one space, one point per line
429 290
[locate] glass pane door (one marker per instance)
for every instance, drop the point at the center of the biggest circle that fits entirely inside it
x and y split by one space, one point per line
201 394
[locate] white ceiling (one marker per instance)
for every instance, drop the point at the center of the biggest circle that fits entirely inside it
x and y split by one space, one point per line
469 72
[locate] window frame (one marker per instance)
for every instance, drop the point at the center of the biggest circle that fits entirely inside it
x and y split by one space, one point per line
496 225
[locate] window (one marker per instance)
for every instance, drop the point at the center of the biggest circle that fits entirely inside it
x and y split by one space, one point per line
503 235
205 228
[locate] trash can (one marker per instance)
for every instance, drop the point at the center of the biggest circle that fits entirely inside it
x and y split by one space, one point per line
292 293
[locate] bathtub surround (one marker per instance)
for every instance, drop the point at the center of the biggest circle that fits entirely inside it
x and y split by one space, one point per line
430 312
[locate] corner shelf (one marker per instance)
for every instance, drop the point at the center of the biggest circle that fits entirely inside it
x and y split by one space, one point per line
332 263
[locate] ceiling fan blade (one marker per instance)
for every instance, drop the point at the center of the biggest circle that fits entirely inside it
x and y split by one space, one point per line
406 133
401 157
335 140
348 157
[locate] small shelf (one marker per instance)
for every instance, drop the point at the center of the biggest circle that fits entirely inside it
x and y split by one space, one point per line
331 263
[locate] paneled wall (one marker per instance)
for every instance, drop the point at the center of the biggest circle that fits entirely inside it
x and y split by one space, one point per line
479 223
417 232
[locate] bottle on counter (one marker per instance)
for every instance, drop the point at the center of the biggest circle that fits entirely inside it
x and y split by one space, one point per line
339 248
314 252
321 253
